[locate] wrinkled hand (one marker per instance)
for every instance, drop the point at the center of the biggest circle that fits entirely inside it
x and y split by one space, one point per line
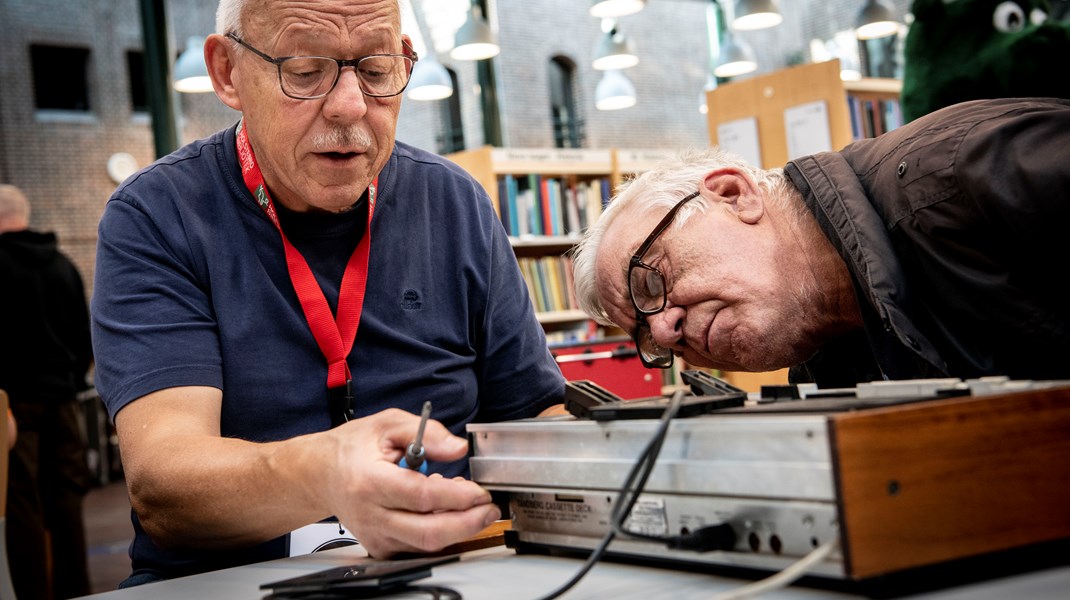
391 509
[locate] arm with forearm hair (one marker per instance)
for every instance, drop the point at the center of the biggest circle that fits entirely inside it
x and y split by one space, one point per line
192 487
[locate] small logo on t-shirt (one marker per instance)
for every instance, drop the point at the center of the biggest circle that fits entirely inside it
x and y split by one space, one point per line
410 300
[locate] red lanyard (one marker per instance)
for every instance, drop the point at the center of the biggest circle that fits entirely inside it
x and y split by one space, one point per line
335 337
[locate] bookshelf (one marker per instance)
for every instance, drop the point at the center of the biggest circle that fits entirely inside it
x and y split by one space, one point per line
775 117
488 163
630 162
873 106
546 197
765 101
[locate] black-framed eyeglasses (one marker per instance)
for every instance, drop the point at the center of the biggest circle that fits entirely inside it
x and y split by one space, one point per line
311 77
646 287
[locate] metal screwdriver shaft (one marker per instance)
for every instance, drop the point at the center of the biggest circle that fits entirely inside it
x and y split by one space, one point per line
414 454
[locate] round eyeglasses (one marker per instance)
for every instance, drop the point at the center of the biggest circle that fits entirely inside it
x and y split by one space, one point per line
311 77
646 287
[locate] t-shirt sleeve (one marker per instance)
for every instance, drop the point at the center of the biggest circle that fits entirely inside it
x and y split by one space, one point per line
152 322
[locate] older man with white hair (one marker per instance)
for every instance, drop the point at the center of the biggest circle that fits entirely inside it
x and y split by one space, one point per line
934 250
274 304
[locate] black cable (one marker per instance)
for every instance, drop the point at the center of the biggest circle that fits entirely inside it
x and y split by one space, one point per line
642 468
648 459
700 540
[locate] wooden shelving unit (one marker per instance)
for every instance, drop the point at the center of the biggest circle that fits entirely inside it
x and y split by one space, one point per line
488 163
767 97
630 162
876 87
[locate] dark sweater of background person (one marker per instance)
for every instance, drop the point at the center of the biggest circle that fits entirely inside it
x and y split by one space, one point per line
44 358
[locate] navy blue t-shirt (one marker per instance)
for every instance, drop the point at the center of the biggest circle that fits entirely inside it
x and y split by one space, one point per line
191 289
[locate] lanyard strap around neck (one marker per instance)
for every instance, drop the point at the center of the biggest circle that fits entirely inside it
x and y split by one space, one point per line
334 336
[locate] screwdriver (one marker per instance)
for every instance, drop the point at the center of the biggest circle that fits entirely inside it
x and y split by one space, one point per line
414 454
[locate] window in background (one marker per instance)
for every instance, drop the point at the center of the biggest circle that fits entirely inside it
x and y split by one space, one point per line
452 137
883 57
60 80
135 72
568 128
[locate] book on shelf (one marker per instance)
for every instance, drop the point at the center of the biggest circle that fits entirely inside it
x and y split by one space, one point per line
555 278
525 273
542 281
570 282
549 280
872 117
573 212
539 205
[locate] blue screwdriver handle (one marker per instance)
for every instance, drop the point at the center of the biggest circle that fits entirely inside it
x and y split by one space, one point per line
415 454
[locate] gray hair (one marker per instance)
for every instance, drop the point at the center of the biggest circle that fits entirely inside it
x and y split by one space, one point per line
661 188
14 208
228 16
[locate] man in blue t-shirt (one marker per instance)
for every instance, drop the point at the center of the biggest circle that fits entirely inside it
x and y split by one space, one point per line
274 304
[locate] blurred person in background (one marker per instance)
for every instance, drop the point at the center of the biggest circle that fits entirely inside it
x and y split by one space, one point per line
45 355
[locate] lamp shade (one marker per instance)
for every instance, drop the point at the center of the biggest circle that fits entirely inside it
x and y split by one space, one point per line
614 92
877 19
191 74
615 8
430 81
736 58
614 51
756 14
475 40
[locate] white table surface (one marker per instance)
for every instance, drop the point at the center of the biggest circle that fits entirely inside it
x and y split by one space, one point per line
498 573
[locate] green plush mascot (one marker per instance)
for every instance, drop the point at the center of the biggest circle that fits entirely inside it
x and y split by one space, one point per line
960 50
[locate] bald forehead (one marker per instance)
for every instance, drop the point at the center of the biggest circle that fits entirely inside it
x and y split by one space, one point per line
627 232
346 17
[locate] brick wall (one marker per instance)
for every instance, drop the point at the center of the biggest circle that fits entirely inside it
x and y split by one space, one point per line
59 159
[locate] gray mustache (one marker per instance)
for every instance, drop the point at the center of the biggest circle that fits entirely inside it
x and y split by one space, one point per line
342 137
